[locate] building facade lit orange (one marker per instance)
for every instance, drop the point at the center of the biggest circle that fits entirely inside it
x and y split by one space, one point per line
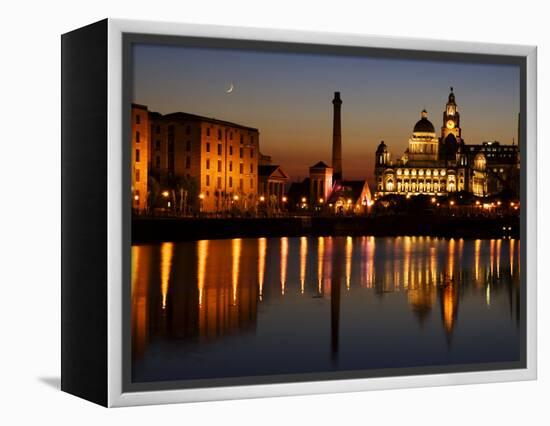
213 163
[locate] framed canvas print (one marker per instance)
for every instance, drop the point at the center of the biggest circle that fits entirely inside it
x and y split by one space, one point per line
253 212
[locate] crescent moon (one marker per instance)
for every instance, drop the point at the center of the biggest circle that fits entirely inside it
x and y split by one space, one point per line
231 88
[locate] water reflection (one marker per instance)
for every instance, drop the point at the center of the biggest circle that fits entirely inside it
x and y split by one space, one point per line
262 245
195 296
303 263
166 253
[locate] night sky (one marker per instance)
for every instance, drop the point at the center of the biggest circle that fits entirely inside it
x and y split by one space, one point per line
287 96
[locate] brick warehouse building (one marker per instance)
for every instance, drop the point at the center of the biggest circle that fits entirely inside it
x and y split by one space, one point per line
188 161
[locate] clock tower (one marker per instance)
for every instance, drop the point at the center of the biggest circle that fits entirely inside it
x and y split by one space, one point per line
451 121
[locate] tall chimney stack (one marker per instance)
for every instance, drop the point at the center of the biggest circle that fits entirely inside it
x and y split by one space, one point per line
337 138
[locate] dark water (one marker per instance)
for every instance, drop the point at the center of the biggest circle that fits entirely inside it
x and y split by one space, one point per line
245 307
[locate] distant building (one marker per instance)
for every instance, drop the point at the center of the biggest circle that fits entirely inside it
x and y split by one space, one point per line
350 196
501 166
444 165
200 160
326 189
320 183
271 185
265 160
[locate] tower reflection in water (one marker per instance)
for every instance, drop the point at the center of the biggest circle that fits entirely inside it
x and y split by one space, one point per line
201 291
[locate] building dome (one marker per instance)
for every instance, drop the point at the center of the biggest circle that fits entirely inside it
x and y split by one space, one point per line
424 125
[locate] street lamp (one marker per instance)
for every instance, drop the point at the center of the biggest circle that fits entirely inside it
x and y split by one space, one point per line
262 198
452 203
303 199
236 198
136 197
321 201
284 199
165 194
201 196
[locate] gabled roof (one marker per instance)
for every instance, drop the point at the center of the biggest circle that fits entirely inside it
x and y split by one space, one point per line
349 189
320 165
272 170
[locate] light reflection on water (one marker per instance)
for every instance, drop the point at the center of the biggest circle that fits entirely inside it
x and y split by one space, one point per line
243 307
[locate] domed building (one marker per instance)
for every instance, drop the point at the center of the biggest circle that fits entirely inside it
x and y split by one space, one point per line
442 165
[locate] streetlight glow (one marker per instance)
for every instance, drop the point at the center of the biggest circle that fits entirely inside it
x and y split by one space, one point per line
165 194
